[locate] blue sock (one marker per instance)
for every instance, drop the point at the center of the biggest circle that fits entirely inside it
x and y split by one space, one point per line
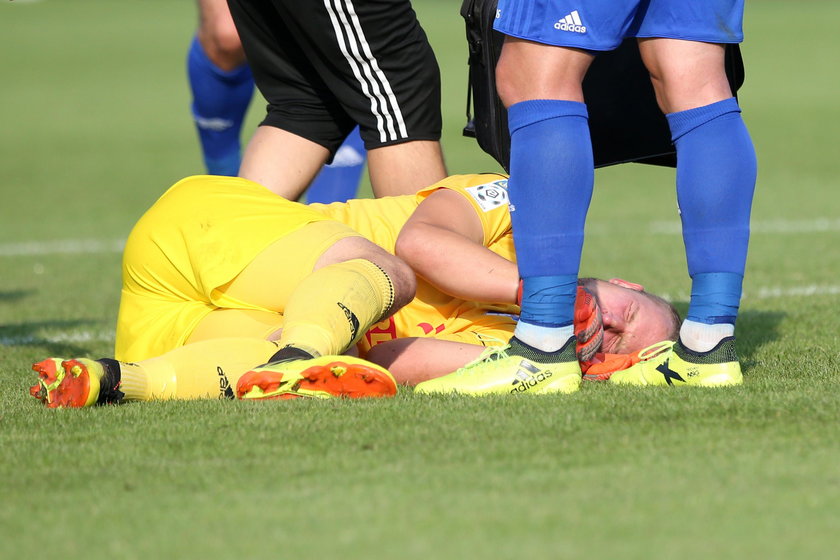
548 303
220 100
550 187
339 181
715 297
716 174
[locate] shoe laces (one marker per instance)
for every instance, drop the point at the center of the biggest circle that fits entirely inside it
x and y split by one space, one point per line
655 350
490 354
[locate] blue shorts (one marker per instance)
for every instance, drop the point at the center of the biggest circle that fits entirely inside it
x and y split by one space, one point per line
601 25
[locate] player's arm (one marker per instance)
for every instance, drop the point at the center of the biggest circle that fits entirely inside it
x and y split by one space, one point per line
443 241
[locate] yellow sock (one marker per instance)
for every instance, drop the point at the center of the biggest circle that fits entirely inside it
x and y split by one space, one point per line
206 369
335 305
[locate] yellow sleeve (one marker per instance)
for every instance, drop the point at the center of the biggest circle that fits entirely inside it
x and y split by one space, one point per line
487 194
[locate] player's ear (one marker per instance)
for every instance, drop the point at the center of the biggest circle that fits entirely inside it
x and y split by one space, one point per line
626 284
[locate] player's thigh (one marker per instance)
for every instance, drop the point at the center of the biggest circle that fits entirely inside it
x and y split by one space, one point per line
283 162
217 34
376 60
551 43
685 74
591 25
214 19
527 70
401 169
682 45
285 71
709 21
240 323
268 281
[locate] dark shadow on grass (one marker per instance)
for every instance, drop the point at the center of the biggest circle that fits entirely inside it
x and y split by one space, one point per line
31 334
754 329
15 295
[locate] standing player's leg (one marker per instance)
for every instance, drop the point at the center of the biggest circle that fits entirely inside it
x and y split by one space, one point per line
392 91
551 182
222 88
299 132
405 168
550 187
325 69
716 175
221 85
339 180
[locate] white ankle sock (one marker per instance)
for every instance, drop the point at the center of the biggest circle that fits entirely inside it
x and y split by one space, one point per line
547 339
701 337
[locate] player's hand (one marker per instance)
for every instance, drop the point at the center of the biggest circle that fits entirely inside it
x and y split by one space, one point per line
589 328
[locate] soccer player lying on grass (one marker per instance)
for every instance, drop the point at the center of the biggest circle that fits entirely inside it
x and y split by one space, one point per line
221 274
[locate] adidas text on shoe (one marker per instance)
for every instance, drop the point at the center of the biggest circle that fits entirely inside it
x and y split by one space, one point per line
674 364
321 378
505 370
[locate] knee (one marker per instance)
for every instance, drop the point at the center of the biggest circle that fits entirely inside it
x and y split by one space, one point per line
685 74
506 84
688 92
402 278
222 44
528 70
382 354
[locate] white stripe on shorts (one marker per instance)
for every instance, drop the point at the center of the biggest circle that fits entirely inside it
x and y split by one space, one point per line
375 86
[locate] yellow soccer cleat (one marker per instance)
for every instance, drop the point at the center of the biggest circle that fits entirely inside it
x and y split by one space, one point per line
671 363
72 383
320 378
512 369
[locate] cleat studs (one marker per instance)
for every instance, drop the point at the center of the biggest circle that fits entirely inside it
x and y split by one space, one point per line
38 391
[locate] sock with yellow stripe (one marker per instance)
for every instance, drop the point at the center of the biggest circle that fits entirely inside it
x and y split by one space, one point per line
335 305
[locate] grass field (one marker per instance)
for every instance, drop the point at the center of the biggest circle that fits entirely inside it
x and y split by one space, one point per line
95 125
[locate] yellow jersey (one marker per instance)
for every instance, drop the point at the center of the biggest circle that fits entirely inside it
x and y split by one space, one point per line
203 231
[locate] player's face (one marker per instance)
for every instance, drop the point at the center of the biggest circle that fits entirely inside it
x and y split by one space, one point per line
632 319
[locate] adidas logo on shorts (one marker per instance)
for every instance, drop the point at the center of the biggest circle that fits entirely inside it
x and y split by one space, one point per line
572 23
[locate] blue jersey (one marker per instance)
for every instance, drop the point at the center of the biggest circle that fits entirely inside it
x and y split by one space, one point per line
601 25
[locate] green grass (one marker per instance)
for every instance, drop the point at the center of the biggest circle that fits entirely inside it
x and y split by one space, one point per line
93 109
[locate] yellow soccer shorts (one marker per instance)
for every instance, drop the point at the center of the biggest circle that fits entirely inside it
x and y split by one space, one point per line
215 257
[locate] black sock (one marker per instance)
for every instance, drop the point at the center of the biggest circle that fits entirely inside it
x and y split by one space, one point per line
109 392
289 353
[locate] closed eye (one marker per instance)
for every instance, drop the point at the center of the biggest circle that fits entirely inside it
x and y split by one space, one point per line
612 340
629 328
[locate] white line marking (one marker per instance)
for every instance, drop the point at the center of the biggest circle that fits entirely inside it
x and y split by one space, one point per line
61 247
762 226
71 338
800 291
77 246
772 292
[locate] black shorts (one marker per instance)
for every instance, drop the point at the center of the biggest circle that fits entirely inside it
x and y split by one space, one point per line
326 65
